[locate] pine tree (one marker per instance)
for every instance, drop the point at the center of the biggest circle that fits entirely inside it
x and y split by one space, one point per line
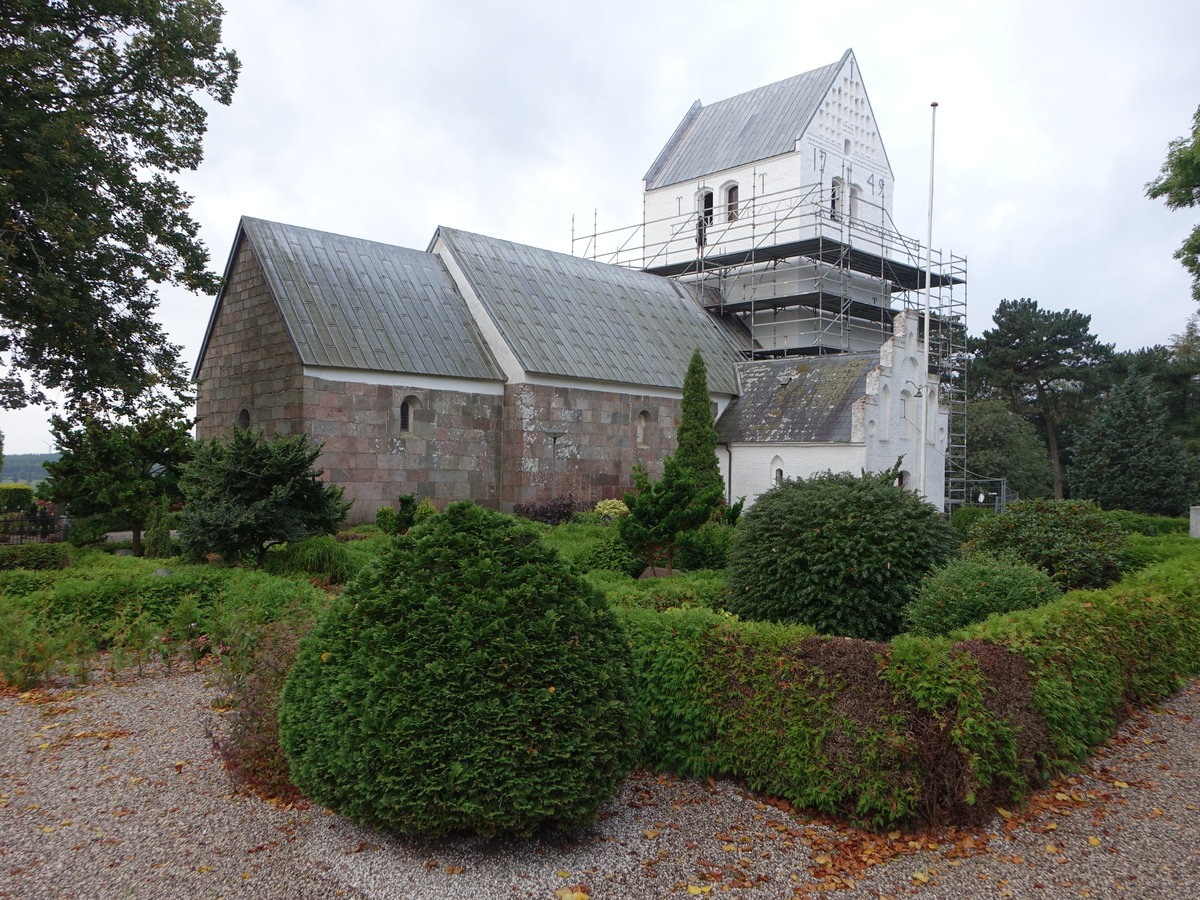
660 510
1124 458
697 451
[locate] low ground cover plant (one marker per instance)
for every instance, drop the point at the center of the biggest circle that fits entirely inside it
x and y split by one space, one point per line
468 680
103 603
842 553
1071 540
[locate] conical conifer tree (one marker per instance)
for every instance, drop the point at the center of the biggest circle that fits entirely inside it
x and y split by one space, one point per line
696 455
1124 458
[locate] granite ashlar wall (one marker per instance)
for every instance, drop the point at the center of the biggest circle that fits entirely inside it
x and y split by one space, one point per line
448 451
250 363
603 439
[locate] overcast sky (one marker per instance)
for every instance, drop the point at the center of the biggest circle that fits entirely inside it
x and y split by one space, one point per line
383 119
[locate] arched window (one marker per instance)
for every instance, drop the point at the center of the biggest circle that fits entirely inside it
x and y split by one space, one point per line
704 217
405 416
855 201
835 198
643 419
731 203
243 419
777 471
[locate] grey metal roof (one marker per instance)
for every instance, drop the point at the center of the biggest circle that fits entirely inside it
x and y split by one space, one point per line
356 304
567 316
798 400
756 125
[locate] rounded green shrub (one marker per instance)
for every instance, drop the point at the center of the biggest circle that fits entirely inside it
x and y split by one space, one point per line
969 589
707 547
841 553
385 519
1070 540
965 516
611 553
424 512
609 509
468 680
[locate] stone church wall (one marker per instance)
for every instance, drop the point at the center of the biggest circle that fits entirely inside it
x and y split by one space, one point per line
606 432
249 362
448 452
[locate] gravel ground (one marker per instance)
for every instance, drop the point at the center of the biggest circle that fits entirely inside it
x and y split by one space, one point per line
113 791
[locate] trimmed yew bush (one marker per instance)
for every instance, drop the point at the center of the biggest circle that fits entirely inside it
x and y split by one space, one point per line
842 553
468 680
1071 540
971 588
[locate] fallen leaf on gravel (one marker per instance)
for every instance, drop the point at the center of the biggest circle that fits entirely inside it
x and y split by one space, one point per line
454 870
699 889
1094 841
650 834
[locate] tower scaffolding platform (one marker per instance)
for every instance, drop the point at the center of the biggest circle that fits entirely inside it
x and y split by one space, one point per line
804 278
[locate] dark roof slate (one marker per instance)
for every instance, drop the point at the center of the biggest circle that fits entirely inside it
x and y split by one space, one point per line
357 304
758 124
798 400
571 317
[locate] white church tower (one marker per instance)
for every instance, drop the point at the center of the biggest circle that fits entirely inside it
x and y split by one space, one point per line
775 207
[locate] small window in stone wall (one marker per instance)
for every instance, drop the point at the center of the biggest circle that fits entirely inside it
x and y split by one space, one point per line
778 477
406 413
243 419
643 419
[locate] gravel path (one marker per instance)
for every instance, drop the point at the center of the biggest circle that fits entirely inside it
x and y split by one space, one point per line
113 791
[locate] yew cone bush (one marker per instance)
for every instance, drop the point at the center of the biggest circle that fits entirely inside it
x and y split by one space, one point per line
467 680
842 553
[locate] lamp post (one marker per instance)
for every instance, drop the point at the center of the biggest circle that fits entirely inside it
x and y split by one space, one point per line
554 433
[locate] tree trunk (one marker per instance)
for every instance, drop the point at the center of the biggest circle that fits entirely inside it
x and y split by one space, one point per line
137 542
1055 454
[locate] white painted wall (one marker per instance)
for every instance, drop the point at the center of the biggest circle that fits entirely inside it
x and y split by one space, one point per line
754 464
788 197
886 425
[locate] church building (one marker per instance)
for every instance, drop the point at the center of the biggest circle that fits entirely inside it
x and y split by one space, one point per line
487 370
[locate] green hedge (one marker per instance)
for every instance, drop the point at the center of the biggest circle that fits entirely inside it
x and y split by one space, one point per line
32 556
933 729
15 497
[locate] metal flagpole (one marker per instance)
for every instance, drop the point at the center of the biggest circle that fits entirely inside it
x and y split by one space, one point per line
922 433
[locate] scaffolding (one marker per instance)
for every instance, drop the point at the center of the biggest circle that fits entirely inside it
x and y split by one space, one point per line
796 275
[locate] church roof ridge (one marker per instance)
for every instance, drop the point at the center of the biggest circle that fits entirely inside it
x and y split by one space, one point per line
756 124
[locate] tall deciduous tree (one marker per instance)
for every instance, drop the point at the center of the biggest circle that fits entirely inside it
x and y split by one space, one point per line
696 454
247 493
1179 185
100 101
118 472
1124 458
1042 364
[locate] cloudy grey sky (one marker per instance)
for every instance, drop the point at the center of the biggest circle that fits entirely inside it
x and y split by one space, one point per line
383 119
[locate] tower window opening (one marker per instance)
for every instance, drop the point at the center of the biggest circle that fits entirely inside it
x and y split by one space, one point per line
705 218
731 203
835 198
